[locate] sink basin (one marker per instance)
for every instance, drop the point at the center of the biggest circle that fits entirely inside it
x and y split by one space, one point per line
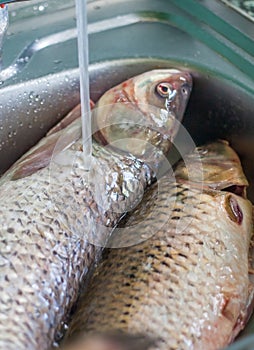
40 78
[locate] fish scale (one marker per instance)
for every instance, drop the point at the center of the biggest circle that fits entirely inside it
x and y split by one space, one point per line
52 213
187 285
47 248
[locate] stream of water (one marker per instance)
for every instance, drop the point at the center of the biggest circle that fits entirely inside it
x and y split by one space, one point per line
83 54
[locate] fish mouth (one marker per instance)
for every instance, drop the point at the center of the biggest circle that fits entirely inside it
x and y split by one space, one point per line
186 81
182 88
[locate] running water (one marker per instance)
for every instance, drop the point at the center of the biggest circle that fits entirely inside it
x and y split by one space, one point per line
81 14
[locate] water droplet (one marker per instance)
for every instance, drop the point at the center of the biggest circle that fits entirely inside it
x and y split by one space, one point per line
36 110
21 123
30 126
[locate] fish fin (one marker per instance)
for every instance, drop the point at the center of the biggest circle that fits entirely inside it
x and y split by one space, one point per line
74 114
245 314
247 311
251 253
112 341
38 159
40 155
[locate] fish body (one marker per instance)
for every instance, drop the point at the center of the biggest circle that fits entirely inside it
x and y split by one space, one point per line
186 285
52 211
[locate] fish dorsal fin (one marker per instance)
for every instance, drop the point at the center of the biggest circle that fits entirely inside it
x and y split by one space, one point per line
74 114
40 155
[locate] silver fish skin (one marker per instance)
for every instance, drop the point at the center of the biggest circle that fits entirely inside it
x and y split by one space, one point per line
186 283
53 212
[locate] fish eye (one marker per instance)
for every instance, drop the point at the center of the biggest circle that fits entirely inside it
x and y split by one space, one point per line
164 89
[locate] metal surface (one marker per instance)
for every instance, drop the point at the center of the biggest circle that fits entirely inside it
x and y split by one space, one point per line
126 38
3 28
245 7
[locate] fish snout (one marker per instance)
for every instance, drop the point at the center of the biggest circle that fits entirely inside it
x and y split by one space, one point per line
178 99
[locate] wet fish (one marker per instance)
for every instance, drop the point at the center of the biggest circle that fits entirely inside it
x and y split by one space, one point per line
186 283
52 211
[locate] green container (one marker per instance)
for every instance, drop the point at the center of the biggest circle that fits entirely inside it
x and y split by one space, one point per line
207 37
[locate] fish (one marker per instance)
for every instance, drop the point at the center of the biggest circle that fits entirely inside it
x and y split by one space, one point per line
177 269
56 216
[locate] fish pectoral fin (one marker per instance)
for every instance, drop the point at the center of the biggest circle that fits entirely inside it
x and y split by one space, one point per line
251 254
244 314
249 304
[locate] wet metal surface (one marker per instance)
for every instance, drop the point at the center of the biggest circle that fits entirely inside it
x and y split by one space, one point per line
44 84
245 7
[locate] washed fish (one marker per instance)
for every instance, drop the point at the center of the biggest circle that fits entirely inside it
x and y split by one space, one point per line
187 286
53 212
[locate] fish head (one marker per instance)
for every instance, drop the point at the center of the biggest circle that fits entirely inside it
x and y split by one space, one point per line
143 112
217 166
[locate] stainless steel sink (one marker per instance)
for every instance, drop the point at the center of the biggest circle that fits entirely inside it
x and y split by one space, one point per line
40 79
